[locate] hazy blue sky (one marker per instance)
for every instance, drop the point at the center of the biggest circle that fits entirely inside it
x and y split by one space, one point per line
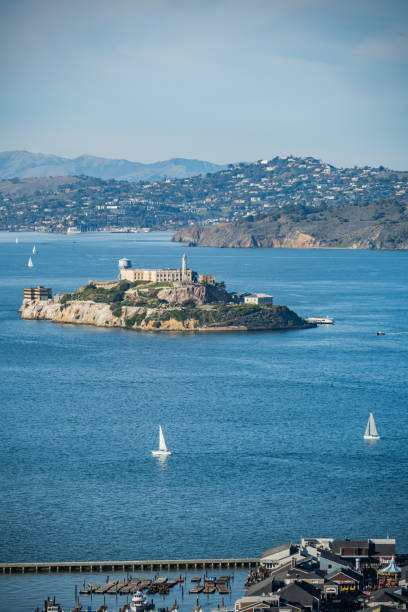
222 80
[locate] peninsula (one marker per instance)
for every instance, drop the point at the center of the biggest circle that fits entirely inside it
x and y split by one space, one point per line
378 225
161 300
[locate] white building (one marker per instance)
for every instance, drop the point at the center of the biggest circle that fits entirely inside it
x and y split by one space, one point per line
258 298
172 275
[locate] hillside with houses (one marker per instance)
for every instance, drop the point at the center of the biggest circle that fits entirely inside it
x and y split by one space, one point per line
240 191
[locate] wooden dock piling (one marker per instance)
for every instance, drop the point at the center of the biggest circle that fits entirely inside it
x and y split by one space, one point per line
124 566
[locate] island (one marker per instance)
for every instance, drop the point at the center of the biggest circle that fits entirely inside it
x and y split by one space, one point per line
161 300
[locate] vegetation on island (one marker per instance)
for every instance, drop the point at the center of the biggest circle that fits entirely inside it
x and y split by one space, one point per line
152 305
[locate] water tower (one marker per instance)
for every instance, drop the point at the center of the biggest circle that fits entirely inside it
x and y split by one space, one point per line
124 263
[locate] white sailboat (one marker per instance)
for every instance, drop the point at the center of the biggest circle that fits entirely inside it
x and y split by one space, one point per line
371 432
17 241
30 263
163 450
34 250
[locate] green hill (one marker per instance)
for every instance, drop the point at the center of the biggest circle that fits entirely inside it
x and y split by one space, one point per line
381 225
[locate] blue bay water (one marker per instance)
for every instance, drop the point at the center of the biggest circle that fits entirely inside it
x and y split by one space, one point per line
266 428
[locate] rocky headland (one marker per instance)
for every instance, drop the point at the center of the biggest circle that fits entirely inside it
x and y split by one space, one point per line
154 307
371 226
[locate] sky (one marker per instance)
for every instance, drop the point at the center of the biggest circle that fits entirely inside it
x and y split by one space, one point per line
220 80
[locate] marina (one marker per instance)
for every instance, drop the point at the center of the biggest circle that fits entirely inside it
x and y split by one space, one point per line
347 572
76 593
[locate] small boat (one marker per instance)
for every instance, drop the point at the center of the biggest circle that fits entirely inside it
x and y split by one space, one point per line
371 432
175 607
380 333
320 320
138 603
17 241
163 450
34 250
197 607
30 263
50 605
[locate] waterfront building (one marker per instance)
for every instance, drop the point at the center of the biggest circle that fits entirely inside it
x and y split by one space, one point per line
37 293
391 597
330 562
274 556
255 603
302 572
372 549
319 543
172 275
345 580
310 576
258 298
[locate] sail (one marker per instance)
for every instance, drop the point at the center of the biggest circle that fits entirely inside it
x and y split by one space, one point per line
373 429
162 443
367 431
30 263
34 250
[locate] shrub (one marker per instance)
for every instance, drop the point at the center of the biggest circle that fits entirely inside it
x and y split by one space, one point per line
135 319
66 298
124 285
116 310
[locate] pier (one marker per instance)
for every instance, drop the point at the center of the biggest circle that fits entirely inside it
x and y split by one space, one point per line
127 566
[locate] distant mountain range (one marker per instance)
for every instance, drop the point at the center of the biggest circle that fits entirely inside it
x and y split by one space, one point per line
24 164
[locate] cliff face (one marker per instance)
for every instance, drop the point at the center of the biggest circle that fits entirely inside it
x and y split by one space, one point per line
91 313
197 294
220 318
371 226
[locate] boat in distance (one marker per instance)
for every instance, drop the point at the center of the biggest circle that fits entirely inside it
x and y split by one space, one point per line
320 320
371 432
30 263
163 450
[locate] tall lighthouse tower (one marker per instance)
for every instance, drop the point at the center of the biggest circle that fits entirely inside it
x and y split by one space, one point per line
184 268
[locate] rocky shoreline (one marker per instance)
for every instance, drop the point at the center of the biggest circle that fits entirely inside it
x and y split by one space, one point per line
381 226
227 318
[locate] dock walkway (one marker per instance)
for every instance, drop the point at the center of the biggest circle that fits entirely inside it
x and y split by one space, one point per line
127 566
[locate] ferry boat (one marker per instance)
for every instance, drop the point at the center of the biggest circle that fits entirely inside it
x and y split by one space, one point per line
138 603
320 320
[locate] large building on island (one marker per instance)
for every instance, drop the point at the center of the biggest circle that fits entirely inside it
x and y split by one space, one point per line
173 275
39 293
